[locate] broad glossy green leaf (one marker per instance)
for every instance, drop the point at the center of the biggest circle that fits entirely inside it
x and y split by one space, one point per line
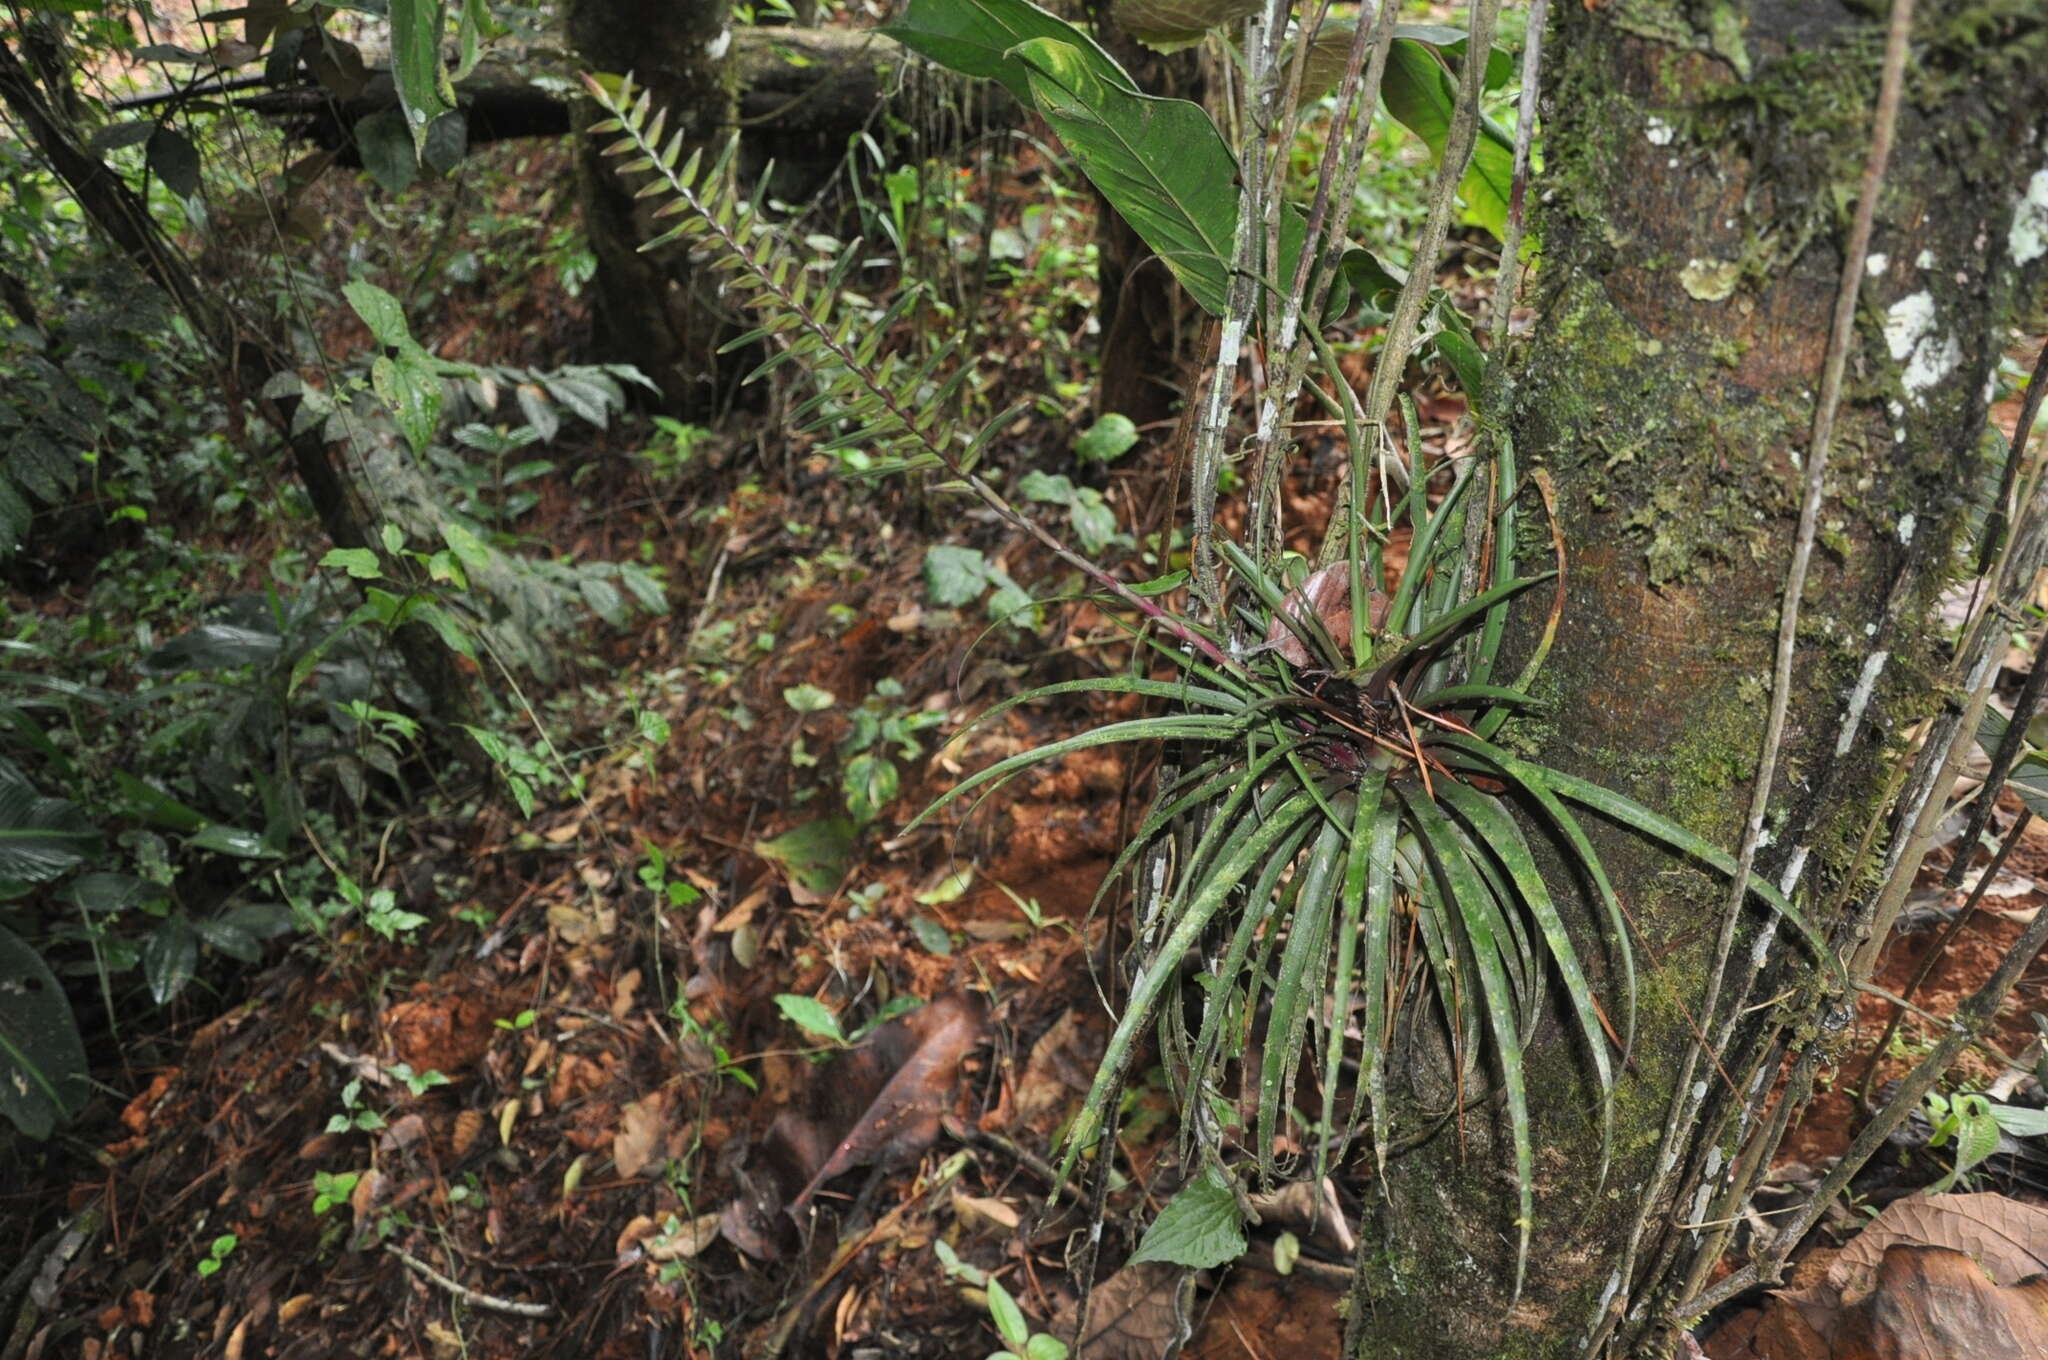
1419 91
423 92
169 958
974 37
1161 163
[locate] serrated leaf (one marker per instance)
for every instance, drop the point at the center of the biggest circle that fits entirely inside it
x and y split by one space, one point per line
410 387
379 311
387 149
360 563
814 854
808 698
1199 1228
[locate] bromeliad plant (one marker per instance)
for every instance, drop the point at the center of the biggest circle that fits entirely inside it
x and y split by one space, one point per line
1342 832
1358 846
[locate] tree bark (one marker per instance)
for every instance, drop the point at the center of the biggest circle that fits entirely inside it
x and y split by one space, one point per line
800 92
654 311
1696 195
1149 325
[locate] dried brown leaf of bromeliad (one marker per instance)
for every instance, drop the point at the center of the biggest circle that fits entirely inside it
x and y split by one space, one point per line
1326 596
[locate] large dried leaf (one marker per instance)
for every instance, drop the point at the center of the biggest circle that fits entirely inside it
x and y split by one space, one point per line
1136 1314
903 1119
2007 1238
1169 25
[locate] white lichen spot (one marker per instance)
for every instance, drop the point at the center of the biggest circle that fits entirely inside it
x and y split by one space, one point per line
1908 522
1710 280
718 46
1909 335
1659 132
1875 263
2029 236
1907 323
1859 699
1932 362
1924 260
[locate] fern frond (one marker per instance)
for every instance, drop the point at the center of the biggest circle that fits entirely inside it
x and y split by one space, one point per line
891 404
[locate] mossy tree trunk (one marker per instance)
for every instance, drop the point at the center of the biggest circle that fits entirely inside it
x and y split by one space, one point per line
1701 169
654 310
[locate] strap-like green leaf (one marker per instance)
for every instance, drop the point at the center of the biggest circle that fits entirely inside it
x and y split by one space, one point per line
1254 841
1137 729
1304 970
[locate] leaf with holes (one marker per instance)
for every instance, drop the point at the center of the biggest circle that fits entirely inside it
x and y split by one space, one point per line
42 1061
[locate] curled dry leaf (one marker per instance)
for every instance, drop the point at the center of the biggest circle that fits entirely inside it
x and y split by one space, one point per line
469 1126
1058 1073
1326 596
643 1127
688 1238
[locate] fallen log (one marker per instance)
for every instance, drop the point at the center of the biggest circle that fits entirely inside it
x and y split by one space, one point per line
796 86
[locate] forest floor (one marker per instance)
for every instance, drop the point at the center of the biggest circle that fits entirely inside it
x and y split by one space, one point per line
725 1072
